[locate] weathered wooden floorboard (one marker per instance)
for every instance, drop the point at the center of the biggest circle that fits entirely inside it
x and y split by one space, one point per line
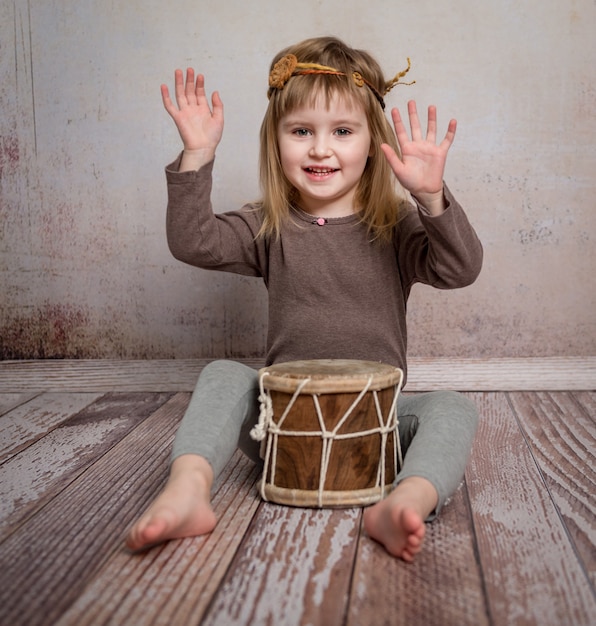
464 374
443 587
173 583
34 476
528 563
104 374
514 546
54 554
587 399
29 421
562 439
294 567
9 401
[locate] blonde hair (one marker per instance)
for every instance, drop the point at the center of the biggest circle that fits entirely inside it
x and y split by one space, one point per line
379 198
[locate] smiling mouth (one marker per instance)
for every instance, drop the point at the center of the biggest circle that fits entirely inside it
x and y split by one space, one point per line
319 171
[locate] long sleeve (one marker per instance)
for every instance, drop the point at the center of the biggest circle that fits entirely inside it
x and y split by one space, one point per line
199 237
442 251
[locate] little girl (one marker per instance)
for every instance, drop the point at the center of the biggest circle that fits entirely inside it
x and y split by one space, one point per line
339 248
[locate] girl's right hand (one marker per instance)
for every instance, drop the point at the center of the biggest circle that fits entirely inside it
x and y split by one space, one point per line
200 127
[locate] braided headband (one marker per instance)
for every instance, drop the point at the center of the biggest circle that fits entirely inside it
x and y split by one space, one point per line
289 66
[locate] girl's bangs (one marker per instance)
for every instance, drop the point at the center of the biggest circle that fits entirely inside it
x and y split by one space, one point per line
305 91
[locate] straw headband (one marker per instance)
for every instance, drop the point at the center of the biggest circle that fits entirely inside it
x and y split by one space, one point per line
289 66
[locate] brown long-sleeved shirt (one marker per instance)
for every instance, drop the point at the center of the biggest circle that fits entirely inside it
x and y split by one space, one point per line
333 294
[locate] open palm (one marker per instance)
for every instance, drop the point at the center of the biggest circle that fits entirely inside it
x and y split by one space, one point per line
199 126
422 165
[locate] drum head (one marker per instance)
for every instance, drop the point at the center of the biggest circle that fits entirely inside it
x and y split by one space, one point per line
329 376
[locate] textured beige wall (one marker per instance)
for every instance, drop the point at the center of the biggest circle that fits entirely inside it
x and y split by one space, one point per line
84 266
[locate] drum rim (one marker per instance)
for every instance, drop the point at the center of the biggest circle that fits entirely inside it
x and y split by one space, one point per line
326 499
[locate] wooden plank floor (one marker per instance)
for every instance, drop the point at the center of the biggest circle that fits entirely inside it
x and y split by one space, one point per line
84 447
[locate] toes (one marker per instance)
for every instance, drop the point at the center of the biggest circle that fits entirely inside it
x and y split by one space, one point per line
145 533
133 541
407 556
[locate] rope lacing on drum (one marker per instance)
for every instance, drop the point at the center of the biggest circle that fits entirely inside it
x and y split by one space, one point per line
329 436
259 430
266 425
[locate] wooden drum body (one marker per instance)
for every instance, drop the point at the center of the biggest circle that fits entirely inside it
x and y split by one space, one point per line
329 432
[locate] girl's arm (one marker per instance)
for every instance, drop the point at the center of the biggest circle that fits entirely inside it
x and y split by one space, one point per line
422 165
200 127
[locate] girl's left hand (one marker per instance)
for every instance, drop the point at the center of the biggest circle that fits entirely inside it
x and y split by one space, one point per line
421 168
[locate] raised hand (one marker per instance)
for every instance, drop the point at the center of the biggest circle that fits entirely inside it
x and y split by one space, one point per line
422 165
199 125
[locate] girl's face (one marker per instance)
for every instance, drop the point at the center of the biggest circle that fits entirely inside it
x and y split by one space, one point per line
323 153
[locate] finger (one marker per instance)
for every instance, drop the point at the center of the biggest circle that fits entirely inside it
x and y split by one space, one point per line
167 101
217 104
449 135
400 129
179 87
431 126
189 87
393 159
199 87
414 121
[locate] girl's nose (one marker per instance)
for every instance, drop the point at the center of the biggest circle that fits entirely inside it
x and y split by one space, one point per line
320 147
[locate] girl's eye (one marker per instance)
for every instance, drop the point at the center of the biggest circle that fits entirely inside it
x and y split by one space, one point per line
301 132
343 132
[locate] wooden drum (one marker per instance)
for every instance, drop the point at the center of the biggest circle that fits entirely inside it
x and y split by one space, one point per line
329 432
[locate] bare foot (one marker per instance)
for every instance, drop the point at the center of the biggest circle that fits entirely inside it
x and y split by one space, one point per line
182 509
397 522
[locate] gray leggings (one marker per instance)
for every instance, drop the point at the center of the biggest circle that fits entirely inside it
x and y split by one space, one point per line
436 429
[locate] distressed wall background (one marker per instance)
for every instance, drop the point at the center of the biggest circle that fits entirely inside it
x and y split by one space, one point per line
84 266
